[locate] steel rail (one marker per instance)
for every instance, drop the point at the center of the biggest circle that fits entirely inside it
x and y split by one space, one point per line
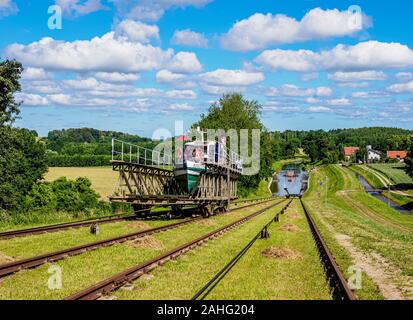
15 266
110 284
61 226
207 288
336 279
87 222
76 224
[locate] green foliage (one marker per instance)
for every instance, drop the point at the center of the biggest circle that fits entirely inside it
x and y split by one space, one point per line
63 195
318 145
41 196
22 163
88 141
232 111
10 72
327 146
409 160
86 147
77 160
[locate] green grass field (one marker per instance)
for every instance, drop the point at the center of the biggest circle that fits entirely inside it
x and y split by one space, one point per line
255 276
103 178
395 172
360 229
86 269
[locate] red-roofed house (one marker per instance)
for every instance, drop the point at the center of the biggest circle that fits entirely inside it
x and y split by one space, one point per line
399 155
350 151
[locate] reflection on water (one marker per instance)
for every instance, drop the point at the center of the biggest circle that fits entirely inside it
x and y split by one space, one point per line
382 198
292 178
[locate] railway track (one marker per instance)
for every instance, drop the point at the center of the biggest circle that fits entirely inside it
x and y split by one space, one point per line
15 266
337 282
72 225
61 226
115 282
336 279
203 292
86 223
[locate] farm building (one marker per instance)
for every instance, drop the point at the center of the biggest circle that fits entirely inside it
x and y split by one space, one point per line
397 155
350 152
373 155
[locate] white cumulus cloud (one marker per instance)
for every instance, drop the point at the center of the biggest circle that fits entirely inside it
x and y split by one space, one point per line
402 87
166 76
106 54
362 56
185 62
116 77
137 31
79 7
29 99
181 107
339 102
369 75
319 109
262 30
190 38
152 10
30 74
290 90
227 77
368 95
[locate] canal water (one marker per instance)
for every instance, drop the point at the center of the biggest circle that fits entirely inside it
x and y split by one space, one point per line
291 177
379 196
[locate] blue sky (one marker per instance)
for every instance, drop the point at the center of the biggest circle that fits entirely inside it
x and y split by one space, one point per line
139 65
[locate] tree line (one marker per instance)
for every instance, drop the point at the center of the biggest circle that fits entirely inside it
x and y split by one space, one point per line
327 146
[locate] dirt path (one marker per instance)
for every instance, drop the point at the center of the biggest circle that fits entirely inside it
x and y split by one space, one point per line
388 278
392 284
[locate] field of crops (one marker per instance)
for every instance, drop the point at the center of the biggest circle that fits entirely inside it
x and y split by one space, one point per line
103 178
393 171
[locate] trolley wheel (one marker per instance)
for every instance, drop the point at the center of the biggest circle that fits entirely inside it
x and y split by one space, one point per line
224 207
206 211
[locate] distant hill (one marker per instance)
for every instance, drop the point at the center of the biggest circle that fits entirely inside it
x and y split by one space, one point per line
89 141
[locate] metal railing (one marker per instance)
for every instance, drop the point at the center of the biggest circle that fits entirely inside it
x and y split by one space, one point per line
128 152
226 157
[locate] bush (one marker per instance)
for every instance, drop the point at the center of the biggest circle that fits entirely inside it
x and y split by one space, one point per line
64 195
22 164
41 196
